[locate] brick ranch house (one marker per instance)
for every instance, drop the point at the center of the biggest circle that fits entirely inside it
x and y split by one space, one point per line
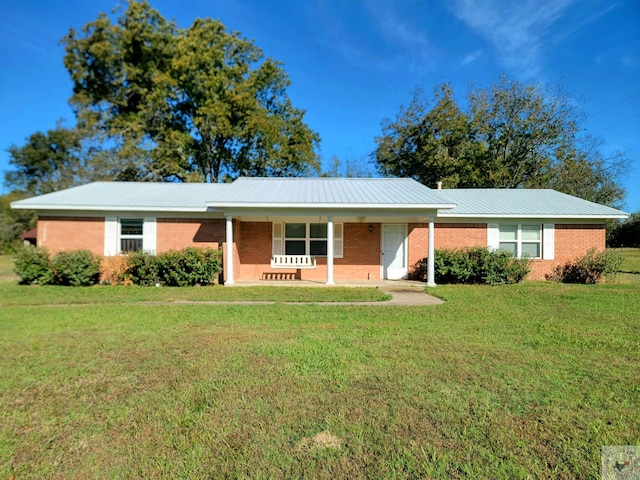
322 229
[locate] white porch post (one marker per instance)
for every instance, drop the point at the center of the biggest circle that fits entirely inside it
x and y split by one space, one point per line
431 280
229 239
329 250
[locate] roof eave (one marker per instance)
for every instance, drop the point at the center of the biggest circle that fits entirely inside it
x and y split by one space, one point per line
333 206
515 215
111 208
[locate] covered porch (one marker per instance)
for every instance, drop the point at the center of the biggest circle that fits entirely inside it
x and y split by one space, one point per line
327 229
326 250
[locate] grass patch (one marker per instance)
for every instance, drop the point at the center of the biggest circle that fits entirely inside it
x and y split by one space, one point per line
631 259
523 381
13 294
6 269
630 268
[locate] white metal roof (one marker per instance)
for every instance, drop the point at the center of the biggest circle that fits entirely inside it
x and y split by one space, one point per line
332 192
128 196
314 193
523 203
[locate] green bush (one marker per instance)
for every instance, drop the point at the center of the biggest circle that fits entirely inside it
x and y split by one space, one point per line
144 268
33 266
76 268
476 265
187 267
591 268
176 268
190 266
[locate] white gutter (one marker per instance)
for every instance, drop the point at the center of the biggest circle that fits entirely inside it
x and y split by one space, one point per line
108 208
324 206
514 215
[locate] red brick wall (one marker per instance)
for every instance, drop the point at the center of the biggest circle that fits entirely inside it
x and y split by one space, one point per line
571 242
178 233
253 250
71 233
458 235
446 235
361 259
418 247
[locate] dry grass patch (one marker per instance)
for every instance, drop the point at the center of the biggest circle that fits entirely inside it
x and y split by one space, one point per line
320 441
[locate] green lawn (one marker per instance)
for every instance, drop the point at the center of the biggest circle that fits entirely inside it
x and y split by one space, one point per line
12 294
525 381
630 268
631 259
6 269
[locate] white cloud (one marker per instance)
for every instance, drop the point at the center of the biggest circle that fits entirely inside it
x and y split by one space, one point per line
389 37
32 38
397 30
471 57
516 29
561 36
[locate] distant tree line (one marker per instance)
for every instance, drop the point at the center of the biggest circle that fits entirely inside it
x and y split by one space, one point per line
626 234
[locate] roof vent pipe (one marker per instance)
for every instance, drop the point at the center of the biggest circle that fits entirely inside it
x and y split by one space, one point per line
439 185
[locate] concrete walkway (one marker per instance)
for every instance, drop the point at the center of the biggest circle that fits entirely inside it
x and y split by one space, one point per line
403 293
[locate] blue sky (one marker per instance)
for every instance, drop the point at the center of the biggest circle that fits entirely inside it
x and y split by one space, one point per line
353 63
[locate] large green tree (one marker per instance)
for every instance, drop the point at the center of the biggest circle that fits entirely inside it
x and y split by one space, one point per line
13 222
511 134
63 157
430 143
47 162
196 104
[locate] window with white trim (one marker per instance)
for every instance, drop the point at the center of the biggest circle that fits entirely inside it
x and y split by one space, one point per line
522 240
305 238
123 235
131 235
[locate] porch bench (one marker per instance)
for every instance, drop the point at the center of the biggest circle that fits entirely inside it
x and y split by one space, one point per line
293 261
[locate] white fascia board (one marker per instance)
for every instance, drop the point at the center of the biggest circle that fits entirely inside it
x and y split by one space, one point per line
514 216
93 208
333 206
128 214
336 212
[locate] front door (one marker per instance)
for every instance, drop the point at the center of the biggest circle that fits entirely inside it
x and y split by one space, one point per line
394 249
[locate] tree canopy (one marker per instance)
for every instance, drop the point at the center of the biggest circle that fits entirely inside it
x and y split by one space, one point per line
47 162
195 104
510 135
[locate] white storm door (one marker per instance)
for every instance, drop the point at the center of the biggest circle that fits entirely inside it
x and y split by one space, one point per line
394 251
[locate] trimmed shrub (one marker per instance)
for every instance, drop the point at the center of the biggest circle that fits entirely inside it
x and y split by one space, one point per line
33 266
474 266
115 270
190 266
144 268
77 268
591 268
